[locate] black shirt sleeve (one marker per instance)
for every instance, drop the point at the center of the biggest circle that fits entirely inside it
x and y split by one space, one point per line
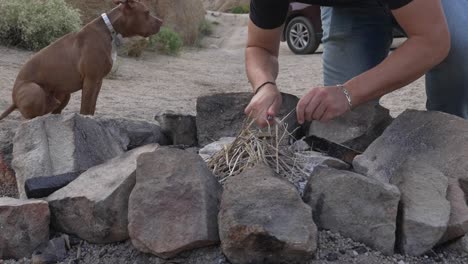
394 4
268 14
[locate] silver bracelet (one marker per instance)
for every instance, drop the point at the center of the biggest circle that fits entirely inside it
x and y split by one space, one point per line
347 94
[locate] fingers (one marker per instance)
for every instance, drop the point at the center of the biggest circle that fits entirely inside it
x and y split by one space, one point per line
312 106
263 107
323 104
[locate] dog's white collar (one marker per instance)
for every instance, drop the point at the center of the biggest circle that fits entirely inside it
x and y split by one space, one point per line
116 37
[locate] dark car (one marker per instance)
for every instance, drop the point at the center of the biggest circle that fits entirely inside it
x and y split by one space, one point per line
303 28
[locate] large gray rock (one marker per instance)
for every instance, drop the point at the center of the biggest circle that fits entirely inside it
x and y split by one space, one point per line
435 139
356 129
135 133
424 205
180 129
57 144
95 205
355 206
222 115
263 220
24 225
174 204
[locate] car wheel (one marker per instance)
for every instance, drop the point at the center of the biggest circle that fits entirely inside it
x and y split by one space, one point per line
300 35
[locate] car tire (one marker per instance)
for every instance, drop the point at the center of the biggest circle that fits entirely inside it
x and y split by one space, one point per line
301 37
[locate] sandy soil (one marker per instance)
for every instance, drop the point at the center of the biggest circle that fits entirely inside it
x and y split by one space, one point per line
155 83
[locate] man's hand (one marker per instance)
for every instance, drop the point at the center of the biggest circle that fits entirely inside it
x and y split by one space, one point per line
264 104
322 104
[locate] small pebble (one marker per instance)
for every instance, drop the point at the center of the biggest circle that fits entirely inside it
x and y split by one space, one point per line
360 249
332 256
355 253
401 262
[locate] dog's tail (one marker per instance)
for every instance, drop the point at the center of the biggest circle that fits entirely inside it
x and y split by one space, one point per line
8 111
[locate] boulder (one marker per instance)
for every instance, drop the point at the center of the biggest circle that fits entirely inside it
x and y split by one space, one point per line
224 5
262 219
180 129
135 133
425 209
435 140
355 206
95 205
57 144
24 225
174 204
222 115
356 129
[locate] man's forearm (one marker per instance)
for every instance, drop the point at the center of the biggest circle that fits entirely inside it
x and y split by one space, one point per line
261 66
427 45
406 64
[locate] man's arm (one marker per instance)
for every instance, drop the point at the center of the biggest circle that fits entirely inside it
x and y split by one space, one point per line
427 45
261 62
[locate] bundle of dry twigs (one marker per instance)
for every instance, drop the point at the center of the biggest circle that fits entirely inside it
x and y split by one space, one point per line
253 146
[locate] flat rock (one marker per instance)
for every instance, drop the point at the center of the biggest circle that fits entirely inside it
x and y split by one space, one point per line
222 115
24 225
263 220
356 129
95 205
135 133
174 204
355 206
436 139
57 144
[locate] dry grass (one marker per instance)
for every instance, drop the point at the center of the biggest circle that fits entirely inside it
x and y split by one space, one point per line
252 146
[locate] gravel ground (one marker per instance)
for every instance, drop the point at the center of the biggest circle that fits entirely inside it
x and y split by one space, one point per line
333 248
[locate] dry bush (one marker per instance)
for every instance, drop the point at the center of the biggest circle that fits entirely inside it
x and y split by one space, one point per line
33 24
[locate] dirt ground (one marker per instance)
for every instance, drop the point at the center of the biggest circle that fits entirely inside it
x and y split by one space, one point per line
155 83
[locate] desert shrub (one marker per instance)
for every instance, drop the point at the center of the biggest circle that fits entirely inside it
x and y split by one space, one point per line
167 41
241 9
205 28
33 24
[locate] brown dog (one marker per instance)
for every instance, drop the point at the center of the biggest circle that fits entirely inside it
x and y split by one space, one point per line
78 60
